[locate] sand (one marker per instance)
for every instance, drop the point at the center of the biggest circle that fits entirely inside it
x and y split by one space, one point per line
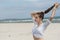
22 31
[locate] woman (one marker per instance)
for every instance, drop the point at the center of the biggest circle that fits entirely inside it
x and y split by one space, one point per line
39 26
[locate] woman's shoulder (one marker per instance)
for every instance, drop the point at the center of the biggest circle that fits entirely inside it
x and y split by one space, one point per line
47 22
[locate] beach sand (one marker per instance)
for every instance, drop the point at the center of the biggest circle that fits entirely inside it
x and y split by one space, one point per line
22 31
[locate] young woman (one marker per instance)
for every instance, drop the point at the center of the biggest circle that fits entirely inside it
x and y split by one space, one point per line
39 26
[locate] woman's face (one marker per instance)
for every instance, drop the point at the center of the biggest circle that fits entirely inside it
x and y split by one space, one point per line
37 19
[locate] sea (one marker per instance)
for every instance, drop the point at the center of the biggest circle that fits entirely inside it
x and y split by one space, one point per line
27 20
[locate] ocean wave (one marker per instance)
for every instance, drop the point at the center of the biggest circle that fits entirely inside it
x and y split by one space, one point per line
25 21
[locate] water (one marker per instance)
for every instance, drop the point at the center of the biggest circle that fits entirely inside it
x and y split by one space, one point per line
27 20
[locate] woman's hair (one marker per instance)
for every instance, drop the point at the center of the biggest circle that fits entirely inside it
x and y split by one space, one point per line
41 14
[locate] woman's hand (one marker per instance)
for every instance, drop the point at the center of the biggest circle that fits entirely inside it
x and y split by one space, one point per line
56 5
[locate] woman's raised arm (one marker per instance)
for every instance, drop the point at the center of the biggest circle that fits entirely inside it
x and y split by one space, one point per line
53 11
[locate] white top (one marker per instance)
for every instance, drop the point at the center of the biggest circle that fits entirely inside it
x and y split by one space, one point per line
38 31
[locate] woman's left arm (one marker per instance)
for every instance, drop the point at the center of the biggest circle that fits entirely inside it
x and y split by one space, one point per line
51 17
53 11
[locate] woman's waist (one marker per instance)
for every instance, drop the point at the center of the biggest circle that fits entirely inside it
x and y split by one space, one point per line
38 35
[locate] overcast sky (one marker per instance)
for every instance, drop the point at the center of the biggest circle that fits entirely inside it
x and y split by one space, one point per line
22 8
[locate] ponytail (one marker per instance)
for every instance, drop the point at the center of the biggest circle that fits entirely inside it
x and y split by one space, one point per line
41 14
49 9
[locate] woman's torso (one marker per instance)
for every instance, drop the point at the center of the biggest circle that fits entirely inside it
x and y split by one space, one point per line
38 31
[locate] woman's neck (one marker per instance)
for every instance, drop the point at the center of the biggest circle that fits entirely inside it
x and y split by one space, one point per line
39 23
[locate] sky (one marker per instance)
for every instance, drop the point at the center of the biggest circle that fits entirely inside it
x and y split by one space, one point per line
20 9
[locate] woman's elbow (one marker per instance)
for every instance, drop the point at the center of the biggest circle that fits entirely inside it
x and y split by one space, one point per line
51 18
